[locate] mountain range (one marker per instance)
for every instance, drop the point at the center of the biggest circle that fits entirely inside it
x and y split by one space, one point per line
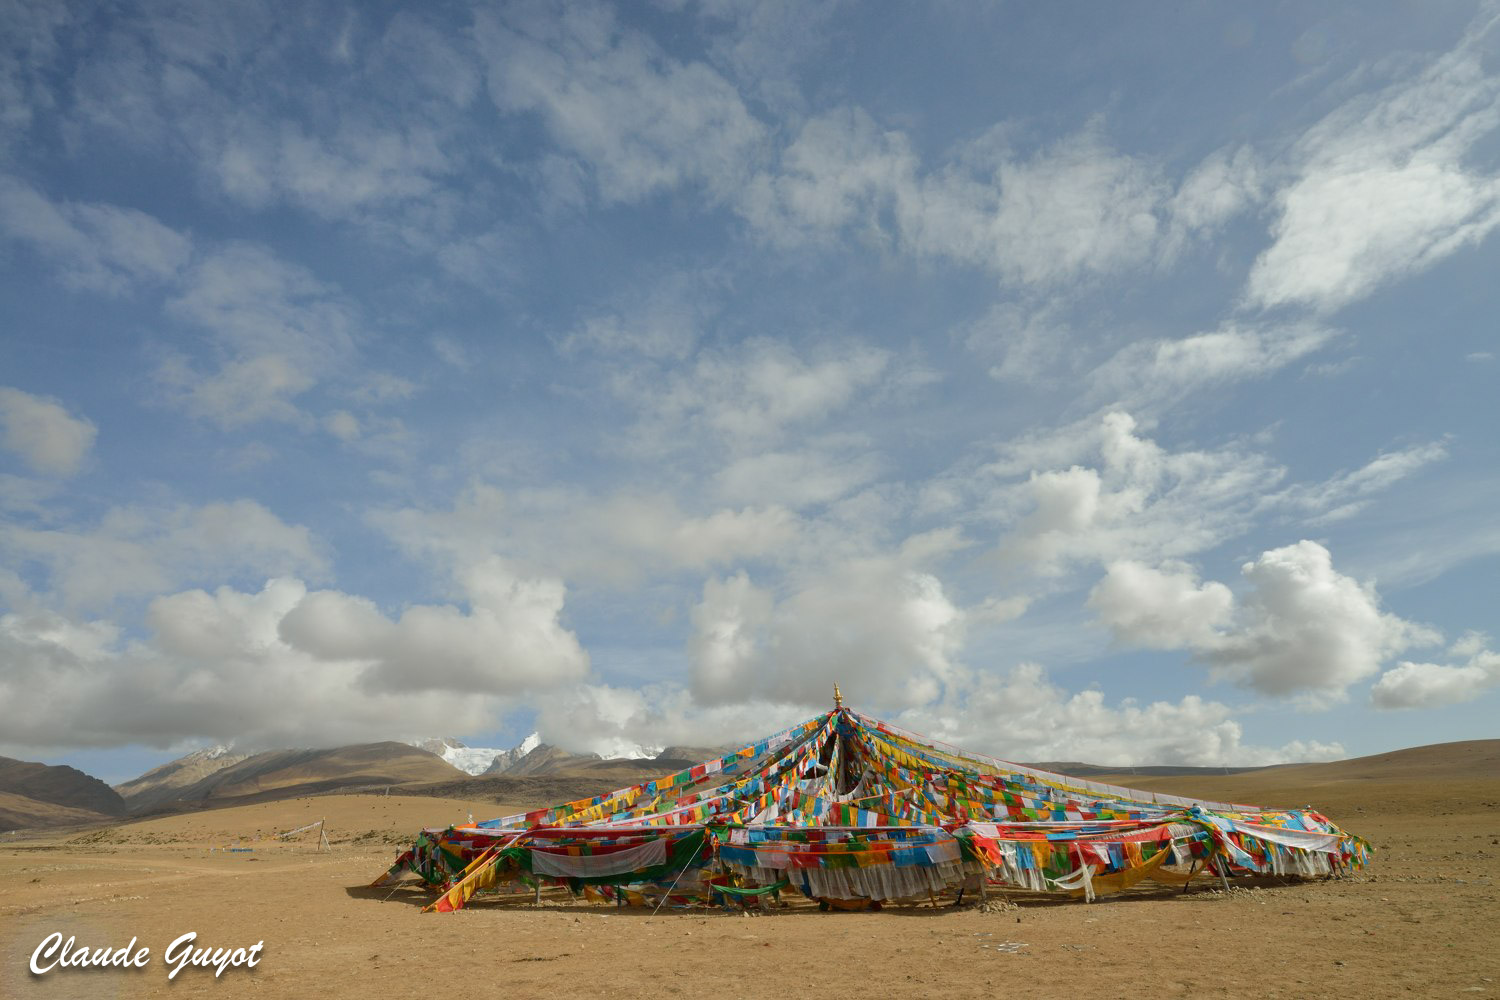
530 756
43 795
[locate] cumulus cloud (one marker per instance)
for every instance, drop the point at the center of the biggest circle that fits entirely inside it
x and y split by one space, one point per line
1017 715
1161 608
887 627
46 436
1310 630
609 720
1141 501
282 666
136 551
1301 630
1021 715
510 640
1431 685
1384 186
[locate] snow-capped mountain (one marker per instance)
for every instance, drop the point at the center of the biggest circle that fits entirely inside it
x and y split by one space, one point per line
631 752
478 760
488 760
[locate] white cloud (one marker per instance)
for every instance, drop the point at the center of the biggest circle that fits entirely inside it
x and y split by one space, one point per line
1347 493
1157 372
752 396
1162 608
49 438
1076 208
819 474
33 38
1301 630
1310 630
609 540
596 718
766 42
662 321
275 331
1022 716
93 246
1141 502
214 669
1384 186
1431 685
136 551
509 641
1018 715
352 166
343 425
884 627
1029 342
1216 190
641 120
215 86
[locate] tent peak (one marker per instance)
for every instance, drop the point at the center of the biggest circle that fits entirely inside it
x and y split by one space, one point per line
838 699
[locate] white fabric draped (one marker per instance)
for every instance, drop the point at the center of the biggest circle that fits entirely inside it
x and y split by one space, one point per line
652 852
877 882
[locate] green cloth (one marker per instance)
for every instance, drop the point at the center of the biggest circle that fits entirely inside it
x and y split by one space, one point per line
730 890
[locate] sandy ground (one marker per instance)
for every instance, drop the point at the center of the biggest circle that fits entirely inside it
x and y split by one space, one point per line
1422 921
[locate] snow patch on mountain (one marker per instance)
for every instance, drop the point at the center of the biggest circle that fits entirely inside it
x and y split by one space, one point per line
633 751
477 760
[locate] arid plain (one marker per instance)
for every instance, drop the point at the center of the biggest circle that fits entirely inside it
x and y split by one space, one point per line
1422 920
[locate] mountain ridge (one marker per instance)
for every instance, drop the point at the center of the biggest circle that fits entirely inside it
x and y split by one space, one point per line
36 793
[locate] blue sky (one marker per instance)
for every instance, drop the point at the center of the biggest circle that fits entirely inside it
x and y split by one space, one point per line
1105 383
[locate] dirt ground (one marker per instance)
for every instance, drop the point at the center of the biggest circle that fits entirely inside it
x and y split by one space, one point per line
1422 921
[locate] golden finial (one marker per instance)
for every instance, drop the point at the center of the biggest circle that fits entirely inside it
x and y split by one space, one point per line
838 699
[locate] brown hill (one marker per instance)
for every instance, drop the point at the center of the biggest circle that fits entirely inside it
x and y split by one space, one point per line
165 783
1093 772
280 774
695 754
621 770
40 794
525 792
17 812
1431 778
543 759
